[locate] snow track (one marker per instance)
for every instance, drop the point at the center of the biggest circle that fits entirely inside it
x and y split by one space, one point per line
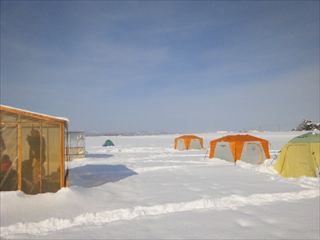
231 202
156 168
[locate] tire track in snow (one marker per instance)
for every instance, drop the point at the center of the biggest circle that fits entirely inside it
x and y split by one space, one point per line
232 202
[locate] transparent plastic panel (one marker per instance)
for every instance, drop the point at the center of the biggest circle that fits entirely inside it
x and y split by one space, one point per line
52 164
33 158
7 117
9 157
41 158
27 119
76 145
76 139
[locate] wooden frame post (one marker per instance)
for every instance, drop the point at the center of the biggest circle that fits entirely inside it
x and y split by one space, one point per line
19 166
62 153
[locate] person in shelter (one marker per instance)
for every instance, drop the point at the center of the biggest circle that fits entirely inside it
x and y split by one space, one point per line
37 155
8 176
2 144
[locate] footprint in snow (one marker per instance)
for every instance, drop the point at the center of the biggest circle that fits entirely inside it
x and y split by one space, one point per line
244 223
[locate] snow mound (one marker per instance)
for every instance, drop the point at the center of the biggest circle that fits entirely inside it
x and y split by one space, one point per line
232 202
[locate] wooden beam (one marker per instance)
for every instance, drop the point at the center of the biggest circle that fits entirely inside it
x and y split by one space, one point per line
62 153
32 114
19 166
51 123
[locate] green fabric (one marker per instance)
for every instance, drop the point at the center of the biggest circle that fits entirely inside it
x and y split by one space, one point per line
299 159
108 143
307 138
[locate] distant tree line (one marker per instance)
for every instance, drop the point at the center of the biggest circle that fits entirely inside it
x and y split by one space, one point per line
307 125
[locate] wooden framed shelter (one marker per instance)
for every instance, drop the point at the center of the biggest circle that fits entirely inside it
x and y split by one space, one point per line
32 151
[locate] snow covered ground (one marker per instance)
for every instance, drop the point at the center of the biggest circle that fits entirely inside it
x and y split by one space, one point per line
143 189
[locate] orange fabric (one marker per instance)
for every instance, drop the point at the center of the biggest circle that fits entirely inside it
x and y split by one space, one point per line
187 139
236 144
233 147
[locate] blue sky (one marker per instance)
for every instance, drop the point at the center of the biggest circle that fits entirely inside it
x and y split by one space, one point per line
184 66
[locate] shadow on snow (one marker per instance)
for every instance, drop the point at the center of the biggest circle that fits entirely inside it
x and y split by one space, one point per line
96 175
98 155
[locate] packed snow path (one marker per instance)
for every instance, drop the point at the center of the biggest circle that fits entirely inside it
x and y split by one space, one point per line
142 188
232 202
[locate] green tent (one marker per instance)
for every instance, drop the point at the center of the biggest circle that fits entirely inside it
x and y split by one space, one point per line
300 157
108 143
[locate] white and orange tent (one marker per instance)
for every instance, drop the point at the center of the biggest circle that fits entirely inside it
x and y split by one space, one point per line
187 142
240 147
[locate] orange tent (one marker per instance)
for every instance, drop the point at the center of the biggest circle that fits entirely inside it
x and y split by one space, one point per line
186 142
236 147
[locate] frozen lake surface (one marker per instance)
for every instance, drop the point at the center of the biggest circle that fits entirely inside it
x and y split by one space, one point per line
142 188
